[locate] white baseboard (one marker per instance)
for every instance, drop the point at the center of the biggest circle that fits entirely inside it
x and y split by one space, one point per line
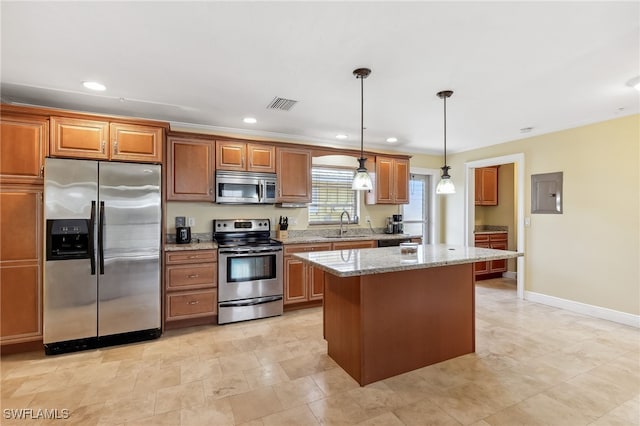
585 309
510 274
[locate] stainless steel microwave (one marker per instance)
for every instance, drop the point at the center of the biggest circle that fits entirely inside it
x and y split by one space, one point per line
245 187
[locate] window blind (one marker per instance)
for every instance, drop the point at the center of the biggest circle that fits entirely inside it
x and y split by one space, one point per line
331 194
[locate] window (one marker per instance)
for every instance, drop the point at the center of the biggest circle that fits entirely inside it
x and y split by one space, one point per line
331 194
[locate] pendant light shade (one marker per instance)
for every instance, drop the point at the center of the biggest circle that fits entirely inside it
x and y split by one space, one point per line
445 186
361 179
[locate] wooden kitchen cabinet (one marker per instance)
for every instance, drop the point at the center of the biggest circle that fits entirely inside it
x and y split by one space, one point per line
486 186
25 144
103 140
20 264
345 245
391 181
491 268
190 169
245 156
293 166
302 282
191 284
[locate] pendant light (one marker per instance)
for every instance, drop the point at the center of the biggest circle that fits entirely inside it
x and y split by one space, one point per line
445 186
361 179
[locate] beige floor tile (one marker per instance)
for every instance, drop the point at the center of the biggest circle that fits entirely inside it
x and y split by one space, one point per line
386 419
218 413
171 418
153 379
265 376
539 410
225 385
297 392
298 416
624 414
306 365
254 404
424 412
199 370
334 380
119 411
188 395
238 362
338 410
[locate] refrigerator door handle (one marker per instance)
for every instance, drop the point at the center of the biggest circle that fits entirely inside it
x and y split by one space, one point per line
92 224
101 238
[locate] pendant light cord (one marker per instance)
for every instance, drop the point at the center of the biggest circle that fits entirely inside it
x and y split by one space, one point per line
445 131
361 117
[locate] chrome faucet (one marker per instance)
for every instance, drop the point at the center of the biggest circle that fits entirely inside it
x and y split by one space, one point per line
342 232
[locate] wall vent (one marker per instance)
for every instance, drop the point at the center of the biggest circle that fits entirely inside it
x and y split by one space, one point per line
281 103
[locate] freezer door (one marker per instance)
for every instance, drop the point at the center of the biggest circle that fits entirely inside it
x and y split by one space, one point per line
129 271
70 291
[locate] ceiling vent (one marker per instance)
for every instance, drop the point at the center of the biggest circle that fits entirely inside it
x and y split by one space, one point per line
281 103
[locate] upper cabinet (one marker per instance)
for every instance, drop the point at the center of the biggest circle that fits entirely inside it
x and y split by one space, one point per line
293 166
486 186
103 140
391 181
190 169
25 143
245 156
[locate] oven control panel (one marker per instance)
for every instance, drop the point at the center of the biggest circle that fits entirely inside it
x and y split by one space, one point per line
241 225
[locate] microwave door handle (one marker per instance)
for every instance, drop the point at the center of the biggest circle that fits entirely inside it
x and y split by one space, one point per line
260 191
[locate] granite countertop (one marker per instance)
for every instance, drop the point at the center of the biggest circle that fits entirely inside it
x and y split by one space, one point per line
490 229
331 239
354 262
205 245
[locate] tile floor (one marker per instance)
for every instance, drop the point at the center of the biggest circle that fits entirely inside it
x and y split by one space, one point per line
533 364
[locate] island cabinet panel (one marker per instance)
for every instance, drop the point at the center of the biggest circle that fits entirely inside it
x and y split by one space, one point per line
104 140
25 144
302 282
293 166
391 181
191 284
190 166
486 186
21 263
429 317
245 156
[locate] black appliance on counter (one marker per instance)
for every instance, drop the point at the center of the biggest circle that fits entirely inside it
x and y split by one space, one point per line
183 235
394 224
250 270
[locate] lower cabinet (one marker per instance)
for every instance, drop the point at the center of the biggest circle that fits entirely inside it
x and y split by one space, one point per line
20 264
304 283
191 278
491 268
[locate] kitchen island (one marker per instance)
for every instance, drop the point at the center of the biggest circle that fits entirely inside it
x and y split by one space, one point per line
386 313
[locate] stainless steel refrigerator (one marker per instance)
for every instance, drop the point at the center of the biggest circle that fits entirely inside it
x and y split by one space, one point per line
102 251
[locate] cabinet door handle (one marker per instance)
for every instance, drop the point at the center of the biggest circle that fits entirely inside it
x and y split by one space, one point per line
194 302
42 171
115 147
193 276
104 146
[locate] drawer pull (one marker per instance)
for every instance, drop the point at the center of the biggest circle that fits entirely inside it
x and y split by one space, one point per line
193 257
194 302
193 276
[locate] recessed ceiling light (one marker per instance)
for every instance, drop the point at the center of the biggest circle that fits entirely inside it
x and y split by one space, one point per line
341 136
94 85
392 140
250 120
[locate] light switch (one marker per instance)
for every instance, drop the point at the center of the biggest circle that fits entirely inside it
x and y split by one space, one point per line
527 222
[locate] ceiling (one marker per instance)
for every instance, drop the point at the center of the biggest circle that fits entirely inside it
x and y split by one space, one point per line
207 65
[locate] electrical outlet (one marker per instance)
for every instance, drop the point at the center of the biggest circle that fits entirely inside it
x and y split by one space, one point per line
191 221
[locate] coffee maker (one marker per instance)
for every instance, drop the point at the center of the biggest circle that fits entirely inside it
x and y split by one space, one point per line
394 224
183 232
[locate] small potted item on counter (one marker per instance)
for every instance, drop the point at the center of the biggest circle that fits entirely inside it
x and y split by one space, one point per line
283 225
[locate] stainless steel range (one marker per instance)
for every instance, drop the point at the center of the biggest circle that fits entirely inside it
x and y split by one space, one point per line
249 270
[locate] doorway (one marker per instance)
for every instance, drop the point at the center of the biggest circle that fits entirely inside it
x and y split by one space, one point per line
420 215
518 161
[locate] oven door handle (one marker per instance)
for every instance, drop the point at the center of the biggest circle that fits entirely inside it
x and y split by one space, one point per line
250 252
252 302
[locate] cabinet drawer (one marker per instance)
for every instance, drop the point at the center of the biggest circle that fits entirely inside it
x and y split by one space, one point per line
180 277
303 248
191 256
498 237
482 238
191 304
